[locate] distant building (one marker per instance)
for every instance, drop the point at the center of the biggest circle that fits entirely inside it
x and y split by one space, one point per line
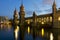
3 18
51 19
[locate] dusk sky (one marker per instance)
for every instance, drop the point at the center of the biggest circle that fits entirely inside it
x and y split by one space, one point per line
39 6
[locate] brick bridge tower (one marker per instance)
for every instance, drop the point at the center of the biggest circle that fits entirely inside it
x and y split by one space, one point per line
21 21
54 11
15 18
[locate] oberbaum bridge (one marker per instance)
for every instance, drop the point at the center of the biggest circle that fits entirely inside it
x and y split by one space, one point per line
35 23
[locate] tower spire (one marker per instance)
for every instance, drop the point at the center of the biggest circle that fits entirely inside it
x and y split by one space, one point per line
22 6
54 7
21 2
15 12
54 3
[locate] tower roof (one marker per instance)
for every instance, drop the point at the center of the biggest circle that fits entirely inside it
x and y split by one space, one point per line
22 6
34 13
54 3
15 12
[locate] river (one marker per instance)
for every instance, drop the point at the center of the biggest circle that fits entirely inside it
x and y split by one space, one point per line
7 33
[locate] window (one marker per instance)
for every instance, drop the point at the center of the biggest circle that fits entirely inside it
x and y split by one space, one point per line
44 19
28 21
50 19
58 18
42 22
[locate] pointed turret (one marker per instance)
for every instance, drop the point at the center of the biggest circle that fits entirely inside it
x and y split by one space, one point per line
34 13
21 8
15 13
54 7
54 3
15 18
34 18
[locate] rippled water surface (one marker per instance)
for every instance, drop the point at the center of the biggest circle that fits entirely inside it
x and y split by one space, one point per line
8 34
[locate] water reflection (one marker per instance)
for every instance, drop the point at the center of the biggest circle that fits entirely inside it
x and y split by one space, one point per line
5 33
1 26
42 32
51 36
46 34
16 33
5 27
28 29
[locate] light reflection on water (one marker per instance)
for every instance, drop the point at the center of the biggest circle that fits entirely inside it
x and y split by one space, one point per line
42 32
28 29
16 32
51 36
9 34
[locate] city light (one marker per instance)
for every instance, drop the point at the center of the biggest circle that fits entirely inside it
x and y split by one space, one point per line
58 18
42 22
51 36
28 22
16 32
42 32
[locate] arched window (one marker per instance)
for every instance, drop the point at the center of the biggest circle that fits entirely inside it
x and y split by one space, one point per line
50 19
58 18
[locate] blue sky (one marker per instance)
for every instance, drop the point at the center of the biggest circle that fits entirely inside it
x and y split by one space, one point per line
39 6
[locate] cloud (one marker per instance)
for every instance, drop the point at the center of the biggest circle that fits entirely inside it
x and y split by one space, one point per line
48 10
29 12
49 2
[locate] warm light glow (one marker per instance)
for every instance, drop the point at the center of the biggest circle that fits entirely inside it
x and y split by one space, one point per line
42 32
51 36
16 32
58 18
39 21
28 29
50 19
44 19
28 21
42 22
